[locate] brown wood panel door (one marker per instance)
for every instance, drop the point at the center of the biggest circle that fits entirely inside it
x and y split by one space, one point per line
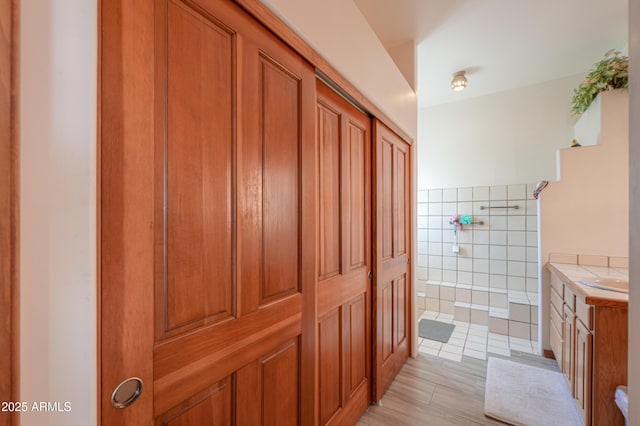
392 254
9 215
344 258
208 194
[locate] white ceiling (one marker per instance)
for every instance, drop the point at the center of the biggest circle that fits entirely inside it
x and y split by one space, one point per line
503 44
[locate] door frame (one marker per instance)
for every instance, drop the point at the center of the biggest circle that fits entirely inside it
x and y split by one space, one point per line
9 210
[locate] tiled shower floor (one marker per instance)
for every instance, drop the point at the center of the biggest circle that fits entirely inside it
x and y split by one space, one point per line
471 340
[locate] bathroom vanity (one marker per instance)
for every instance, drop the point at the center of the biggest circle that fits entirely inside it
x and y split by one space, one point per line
589 337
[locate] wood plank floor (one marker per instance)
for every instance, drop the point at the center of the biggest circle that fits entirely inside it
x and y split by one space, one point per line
434 391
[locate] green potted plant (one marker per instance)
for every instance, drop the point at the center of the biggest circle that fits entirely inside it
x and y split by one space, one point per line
610 73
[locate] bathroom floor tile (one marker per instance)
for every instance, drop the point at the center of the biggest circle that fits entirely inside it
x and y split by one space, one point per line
430 351
456 342
521 348
477 339
429 315
519 341
498 344
431 344
481 347
450 356
499 350
472 340
476 332
498 337
451 348
475 354
479 327
442 317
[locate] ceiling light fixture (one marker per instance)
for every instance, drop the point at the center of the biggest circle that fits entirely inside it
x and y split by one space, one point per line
459 81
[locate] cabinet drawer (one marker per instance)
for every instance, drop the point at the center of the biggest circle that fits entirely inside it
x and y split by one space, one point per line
556 300
584 312
557 284
570 298
556 319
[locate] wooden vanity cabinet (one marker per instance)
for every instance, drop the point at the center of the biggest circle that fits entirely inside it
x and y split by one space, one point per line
589 341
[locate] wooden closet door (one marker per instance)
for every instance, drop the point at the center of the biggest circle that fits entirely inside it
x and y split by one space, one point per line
9 214
208 194
392 271
344 259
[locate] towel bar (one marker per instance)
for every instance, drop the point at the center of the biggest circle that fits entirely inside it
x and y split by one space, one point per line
516 207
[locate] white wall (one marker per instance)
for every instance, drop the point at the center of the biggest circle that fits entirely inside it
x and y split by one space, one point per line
587 211
505 138
58 208
634 235
340 33
404 55
593 191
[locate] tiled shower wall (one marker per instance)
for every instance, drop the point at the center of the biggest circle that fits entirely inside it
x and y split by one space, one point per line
495 274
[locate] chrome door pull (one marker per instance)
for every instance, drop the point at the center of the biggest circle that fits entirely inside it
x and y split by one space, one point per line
126 393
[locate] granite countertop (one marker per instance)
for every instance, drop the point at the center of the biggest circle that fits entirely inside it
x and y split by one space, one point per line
593 296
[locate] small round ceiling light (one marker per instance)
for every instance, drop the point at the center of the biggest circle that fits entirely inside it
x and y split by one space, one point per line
459 81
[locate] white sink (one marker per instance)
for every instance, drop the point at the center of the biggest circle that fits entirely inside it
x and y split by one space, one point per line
611 284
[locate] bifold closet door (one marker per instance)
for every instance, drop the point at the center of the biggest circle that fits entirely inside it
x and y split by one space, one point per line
392 282
208 193
344 259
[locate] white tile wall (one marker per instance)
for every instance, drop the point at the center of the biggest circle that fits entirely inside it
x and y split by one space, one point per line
480 193
449 276
463 295
498 281
447 293
498 193
517 192
499 237
498 300
465 277
480 279
435 195
450 194
495 259
498 252
481 251
480 236
465 194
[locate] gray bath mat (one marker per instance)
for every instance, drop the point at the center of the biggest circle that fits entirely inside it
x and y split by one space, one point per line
435 330
522 395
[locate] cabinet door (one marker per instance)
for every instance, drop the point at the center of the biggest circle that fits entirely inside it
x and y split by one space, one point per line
568 347
556 324
584 346
555 335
